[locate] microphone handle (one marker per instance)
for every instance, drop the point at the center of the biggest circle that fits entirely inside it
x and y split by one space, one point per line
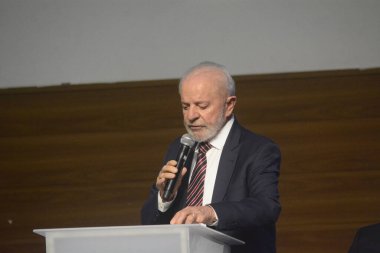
181 160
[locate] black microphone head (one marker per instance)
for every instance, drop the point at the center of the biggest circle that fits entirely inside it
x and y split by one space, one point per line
187 140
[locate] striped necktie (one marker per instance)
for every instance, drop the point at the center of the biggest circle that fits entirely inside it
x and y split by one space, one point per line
196 186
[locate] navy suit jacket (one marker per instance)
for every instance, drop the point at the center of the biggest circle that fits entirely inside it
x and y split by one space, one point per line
245 196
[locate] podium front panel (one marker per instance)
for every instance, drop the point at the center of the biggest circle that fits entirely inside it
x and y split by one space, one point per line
116 244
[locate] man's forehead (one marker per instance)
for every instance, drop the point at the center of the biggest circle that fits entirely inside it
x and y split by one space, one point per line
208 71
206 78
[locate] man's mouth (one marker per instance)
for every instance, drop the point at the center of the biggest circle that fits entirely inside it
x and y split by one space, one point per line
195 127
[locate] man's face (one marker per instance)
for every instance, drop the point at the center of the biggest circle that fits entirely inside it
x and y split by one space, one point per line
205 104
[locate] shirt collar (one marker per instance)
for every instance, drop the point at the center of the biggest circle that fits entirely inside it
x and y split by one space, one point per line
220 139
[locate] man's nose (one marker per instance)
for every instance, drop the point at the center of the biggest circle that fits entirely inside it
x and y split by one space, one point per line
192 114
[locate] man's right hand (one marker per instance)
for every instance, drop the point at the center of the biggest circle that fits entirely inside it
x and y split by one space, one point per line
168 172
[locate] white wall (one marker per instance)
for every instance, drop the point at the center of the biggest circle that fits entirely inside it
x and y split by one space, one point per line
45 42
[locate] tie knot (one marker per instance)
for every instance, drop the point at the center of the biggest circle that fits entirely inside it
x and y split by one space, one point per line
204 147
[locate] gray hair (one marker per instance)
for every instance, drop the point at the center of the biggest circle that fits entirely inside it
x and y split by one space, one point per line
230 84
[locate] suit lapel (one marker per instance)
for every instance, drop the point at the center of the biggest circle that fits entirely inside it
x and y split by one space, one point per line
227 163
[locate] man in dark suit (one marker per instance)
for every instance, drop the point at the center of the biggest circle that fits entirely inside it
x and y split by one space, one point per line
240 186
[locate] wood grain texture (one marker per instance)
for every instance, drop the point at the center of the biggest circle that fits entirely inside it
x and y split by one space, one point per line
86 155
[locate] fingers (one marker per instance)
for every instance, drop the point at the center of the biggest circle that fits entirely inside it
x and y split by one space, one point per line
185 216
194 214
169 171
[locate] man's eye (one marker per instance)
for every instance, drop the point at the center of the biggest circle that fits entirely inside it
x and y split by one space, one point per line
185 107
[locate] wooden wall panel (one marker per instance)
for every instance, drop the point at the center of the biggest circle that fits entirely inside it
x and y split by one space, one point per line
327 125
86 155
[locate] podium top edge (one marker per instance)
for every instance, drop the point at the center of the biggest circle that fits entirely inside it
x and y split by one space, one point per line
43 231
198 228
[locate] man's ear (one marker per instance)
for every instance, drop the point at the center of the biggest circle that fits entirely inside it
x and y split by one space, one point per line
230 105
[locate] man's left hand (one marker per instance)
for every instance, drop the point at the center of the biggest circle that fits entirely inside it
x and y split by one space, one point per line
195 215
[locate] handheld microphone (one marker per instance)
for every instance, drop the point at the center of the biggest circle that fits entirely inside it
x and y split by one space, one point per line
186 144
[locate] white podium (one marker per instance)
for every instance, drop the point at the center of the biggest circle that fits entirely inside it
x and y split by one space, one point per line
138 239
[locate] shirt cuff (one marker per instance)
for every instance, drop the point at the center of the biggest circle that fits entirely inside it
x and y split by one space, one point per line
163 206
216 217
